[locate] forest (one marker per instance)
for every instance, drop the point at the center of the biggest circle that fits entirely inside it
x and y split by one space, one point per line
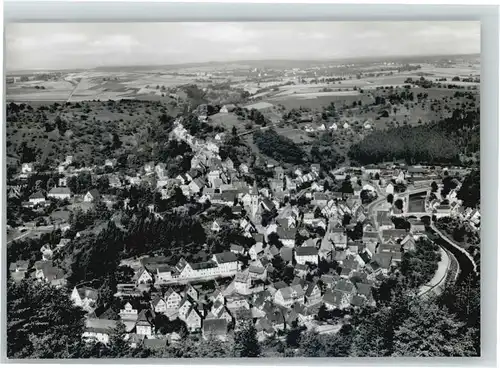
279 147
432 143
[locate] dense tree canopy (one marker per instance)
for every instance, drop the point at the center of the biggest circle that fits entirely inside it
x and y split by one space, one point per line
278 147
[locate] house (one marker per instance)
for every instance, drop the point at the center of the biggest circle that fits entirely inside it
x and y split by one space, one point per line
286 254
382 262
129 315
336 299
59 193
52 275
27 168
236 249
149 167
267 204
127 291
144 325
388 248
313 294
393 234
85 298
143 276
37 198
227 108
288 295
370 239
417 227
98 329
172 299
114 181
287 236
336 235
320 199
256 251
384 221
365 291
215 329
158 304
196 185
257 272
408 243
18 270
92 196
276 318
264 329
389 189
215 226
244 168
243 282
305 255
191 291
301 270
279 173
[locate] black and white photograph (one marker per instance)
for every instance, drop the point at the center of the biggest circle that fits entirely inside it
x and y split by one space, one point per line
243 189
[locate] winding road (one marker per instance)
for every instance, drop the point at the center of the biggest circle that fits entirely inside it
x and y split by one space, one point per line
451 253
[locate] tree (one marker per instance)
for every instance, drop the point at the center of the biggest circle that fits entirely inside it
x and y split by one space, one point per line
399 204
245 341
390 198
119 348
347 187
434 187
41 322
431 331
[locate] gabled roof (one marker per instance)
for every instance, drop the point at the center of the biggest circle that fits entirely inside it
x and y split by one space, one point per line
94 193
286 254
37 195
288 291
286 233
99 325
364 289
306 251
383 260
87 292
22 265
344 285
60 190
226 257
310 288
333 297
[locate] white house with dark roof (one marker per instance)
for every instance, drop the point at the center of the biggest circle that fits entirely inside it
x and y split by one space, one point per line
92 196
85 297
59 193
289 295
305 255
98 329
37 198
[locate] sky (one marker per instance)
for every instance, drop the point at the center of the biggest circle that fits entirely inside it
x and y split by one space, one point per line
88 45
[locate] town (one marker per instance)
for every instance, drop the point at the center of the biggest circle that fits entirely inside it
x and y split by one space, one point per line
310 249
280 208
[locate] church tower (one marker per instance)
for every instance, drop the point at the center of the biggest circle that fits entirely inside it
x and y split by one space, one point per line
254 202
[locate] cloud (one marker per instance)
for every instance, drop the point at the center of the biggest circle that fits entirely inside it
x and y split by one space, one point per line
223 32
69 45
246 50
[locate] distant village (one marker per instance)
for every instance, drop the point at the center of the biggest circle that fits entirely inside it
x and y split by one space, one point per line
338 244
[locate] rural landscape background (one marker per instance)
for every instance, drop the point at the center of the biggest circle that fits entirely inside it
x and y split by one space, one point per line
243 190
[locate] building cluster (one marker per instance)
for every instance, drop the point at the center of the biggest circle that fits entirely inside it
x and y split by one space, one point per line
334 247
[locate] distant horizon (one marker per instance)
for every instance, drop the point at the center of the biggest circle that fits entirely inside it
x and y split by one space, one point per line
70 46
188 64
